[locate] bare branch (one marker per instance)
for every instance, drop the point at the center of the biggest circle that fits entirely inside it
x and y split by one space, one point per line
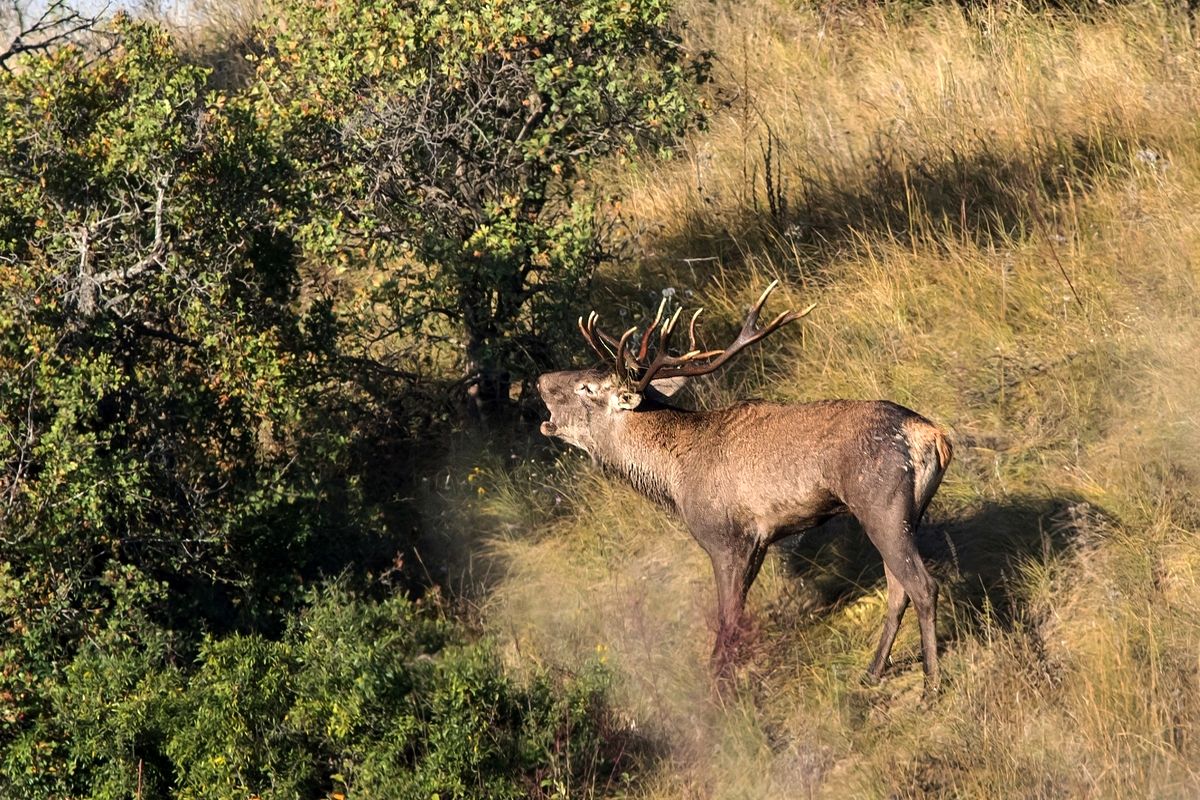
58 24
89 285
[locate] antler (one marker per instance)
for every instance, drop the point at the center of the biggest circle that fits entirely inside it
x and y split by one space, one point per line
595 338
694 361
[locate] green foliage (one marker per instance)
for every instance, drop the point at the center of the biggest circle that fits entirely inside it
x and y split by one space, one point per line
365 699
450 141
158 398
189 440
168 457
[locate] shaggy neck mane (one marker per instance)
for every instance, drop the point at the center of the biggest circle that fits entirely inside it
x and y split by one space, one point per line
645 456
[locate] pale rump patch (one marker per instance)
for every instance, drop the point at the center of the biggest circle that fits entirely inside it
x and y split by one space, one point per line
930 453
945 451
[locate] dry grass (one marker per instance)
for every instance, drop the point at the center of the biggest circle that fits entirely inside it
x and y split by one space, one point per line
217 34
998 216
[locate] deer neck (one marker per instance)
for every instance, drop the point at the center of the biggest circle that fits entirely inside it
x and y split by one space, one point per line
646 449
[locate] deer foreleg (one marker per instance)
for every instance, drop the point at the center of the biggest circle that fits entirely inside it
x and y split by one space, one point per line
735 569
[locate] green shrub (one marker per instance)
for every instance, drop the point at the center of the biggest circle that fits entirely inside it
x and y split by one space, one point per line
171 437
188 437
449 141
157 387
366 699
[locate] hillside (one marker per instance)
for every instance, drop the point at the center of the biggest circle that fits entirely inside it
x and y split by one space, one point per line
996 212
276 283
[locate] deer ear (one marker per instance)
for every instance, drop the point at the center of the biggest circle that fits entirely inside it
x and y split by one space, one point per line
627 400
669 387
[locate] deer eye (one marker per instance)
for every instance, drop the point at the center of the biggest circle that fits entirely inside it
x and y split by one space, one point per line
587 388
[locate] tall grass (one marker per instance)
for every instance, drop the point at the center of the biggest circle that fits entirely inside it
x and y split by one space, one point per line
218 34
998 212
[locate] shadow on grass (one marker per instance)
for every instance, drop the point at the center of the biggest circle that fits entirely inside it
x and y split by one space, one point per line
974 556
982 193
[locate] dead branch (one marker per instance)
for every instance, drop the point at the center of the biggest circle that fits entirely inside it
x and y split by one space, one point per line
58 23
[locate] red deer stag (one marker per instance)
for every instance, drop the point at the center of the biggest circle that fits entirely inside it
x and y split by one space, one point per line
750 474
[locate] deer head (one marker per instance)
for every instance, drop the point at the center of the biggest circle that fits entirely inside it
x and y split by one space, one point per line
586 406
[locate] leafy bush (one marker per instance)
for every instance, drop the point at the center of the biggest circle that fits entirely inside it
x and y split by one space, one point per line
161 393
188 437
359 698
449 139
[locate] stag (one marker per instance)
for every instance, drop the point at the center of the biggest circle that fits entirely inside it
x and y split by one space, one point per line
745 476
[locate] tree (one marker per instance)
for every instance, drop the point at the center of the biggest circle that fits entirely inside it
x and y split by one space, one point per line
163 404
449 141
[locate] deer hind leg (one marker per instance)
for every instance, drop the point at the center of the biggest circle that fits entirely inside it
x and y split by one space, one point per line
897 602
735 567
893 532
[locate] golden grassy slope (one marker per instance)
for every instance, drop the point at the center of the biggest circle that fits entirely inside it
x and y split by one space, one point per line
1000 218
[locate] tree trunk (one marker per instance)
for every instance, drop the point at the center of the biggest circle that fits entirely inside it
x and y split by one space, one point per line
489 312
488 383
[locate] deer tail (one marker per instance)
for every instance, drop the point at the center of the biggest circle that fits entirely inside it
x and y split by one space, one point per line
929 454
944 451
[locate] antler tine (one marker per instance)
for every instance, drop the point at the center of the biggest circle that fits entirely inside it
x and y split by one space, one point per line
593 326
587 337
619 362
752 317
649 334
598 340
692 329
785 317
664 336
